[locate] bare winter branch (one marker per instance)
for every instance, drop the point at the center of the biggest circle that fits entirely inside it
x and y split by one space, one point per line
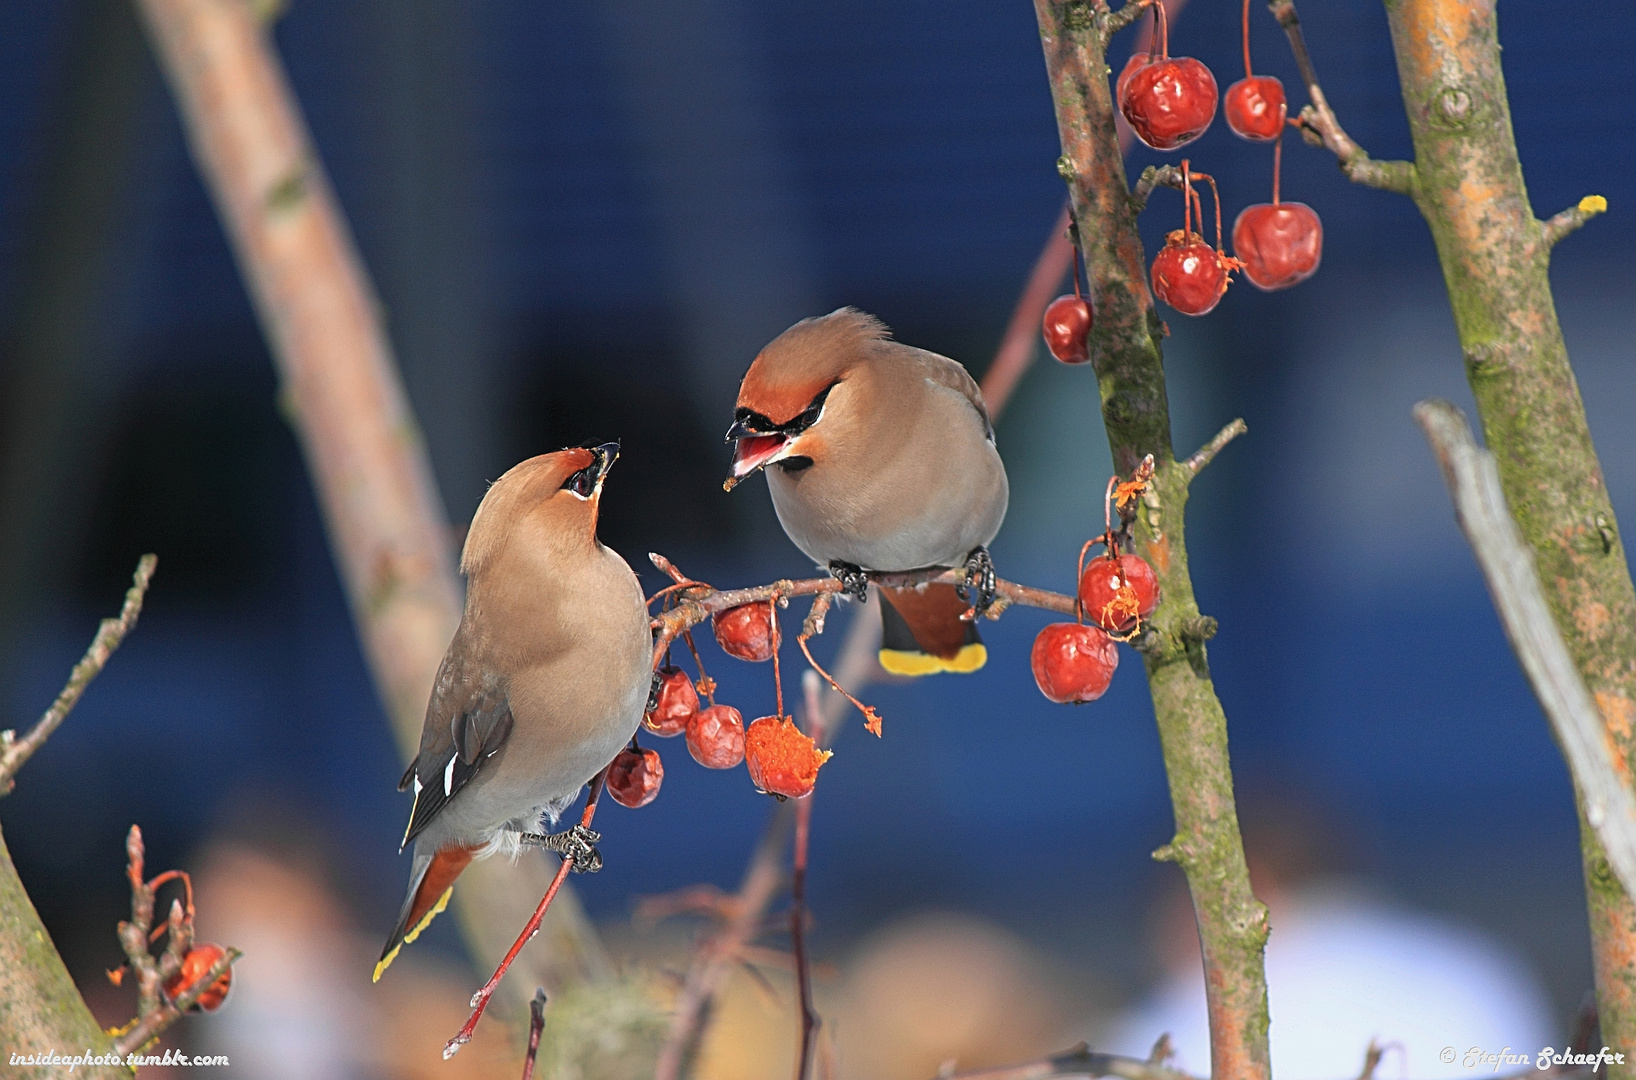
1205 454
14 751
1557 226
536 1024
1474 483
1320 126
1080 1061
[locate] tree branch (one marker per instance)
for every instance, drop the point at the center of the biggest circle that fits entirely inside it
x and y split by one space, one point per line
1079 1061
1557 226
1125 353
1320 126
1129 12
14 751
1474 484
1205 454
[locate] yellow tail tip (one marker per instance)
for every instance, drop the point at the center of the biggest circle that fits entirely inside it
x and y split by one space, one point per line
425 921
1593 204
904 662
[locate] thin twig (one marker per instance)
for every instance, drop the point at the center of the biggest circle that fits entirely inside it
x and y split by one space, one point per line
798 885
705 602
1205 454
14 751
1320 126
1079 1061
536 1024
1568 221
155 1023
1508 566
1153 176
480 1000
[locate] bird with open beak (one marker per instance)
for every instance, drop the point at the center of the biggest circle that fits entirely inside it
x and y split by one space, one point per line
544 682
880 457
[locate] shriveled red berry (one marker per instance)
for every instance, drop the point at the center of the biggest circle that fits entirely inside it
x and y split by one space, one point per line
195 966
782 759
1067 321
715 737
1136 63
747 631
635 776
1169 103
677 704
1073 663
1116 593
1254 108
1280 244
1189 274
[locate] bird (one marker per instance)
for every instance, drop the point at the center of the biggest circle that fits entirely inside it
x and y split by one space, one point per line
880 457
543 684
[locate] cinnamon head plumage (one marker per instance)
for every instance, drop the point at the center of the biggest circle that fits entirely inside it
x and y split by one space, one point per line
880 457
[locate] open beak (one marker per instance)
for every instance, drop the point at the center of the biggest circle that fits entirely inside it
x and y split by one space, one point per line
753 452
606 455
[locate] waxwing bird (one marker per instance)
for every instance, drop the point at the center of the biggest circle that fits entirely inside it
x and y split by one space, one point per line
544 682
880 457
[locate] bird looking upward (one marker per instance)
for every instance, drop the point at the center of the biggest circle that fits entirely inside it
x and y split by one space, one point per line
544 682
880 457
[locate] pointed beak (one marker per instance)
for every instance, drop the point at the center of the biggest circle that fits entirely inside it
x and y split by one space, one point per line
754 452
606 455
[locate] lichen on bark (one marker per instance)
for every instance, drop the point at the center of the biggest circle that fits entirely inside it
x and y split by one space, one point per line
1126 354
1495 256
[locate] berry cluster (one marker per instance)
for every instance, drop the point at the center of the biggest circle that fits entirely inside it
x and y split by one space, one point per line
1074 662
782 759
1169 102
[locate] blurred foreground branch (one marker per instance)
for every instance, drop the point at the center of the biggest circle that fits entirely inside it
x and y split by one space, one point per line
340 390
1508 566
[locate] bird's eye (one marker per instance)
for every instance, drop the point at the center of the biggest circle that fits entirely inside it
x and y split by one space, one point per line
582 483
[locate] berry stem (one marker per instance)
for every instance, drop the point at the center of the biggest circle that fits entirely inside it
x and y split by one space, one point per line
1187 197
1248 74
1164 29
778 677
704 680
1278 154
1216 194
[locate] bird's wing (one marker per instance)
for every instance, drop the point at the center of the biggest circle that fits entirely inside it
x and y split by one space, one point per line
952 375
467 720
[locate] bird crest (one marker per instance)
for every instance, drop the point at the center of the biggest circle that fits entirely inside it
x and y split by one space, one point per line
806 360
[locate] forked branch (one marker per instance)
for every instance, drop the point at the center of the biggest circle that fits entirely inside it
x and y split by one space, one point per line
1320 127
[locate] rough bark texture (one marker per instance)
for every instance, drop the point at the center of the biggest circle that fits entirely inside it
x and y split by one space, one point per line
1125 351
1495 257
40 1008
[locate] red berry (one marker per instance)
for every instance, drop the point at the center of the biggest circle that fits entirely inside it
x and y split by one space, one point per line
1279 244
635 776
1137 62
747 631
678 702
1116 593
781 757
1067 321
715 737
195 965
1189 274
1254 108
1169 103
1073 663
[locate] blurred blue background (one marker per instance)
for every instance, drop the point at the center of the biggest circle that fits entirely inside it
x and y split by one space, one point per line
583 220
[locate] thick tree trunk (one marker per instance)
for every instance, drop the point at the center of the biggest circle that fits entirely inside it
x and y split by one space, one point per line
1496 256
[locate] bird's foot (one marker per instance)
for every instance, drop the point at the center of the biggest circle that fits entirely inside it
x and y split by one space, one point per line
654 687
979 576
577 845
853 578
